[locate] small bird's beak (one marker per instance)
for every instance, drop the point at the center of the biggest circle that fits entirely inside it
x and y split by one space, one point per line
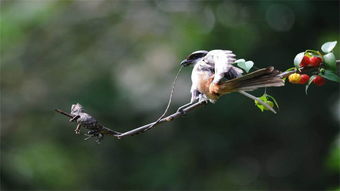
185 62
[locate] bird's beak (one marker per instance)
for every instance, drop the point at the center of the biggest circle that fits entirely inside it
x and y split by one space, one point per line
185 62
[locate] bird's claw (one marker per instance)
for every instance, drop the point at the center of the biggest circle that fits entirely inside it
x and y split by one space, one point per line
94 133
77 131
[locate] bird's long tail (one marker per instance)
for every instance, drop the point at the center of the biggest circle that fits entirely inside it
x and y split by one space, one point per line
265 77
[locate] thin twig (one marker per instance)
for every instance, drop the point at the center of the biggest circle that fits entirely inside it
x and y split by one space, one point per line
64 113
165 119
170 98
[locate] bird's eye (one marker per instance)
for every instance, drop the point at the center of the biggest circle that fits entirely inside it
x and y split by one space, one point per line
197 54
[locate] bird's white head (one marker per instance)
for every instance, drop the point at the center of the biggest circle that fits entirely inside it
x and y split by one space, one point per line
76 108
194 57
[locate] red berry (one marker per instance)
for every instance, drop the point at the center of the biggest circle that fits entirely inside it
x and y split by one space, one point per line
304 78
305 61
319 81
315 61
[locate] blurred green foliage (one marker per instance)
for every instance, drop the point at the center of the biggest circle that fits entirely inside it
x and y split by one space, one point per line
117 58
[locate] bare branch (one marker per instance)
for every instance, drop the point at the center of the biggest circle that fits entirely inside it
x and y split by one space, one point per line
147 126
64 113
165 119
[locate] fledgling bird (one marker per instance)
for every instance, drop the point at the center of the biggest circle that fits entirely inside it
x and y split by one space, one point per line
214 75
85 120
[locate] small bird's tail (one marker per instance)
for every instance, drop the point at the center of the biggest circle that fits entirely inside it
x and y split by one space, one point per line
265 77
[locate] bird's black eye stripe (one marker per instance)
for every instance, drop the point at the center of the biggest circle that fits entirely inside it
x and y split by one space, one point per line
196 55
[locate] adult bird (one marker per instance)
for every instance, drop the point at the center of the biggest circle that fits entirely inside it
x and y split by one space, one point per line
214 75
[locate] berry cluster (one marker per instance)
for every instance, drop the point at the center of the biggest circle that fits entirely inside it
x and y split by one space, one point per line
311 66
297 78
308 61
314 67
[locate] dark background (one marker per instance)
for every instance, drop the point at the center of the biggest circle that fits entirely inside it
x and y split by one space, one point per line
118 58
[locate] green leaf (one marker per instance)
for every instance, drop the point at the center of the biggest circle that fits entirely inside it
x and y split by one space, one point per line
274 100
309 82
311 53
240 61
328 46
245 65
259 105
298 58
329 75
330 61
249 64
265 98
